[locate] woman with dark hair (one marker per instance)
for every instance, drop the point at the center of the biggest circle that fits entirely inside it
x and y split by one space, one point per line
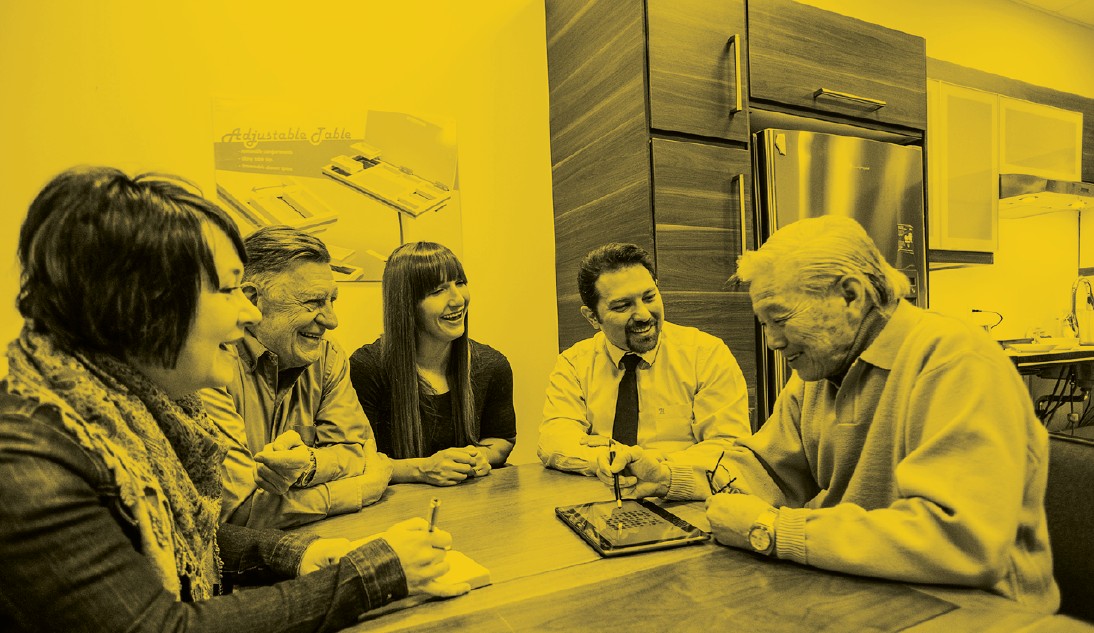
110 470
441 404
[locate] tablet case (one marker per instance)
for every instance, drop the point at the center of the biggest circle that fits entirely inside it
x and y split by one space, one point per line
639 526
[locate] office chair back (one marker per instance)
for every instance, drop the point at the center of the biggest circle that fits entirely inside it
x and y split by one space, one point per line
1069 506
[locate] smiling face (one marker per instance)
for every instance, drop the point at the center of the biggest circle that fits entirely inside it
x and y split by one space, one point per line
814 333
442 314
629 310
208 357
297 307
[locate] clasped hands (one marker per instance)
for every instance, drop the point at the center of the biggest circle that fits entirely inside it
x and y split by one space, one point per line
450 466
643 473
281 463
421 554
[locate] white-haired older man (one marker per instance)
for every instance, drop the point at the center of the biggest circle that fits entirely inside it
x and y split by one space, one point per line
904 446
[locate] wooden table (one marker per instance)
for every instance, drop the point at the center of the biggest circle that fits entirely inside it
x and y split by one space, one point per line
545 578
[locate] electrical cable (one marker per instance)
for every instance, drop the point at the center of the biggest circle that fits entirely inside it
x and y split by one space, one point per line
1054 398
994 325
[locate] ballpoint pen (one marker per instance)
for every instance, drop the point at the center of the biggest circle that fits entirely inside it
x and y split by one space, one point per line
615 476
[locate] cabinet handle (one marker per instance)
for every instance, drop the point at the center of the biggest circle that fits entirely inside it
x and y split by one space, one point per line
740 178
738 105
877 104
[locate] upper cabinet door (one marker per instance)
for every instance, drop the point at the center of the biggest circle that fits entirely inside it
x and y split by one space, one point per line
1040 140
963 184
810 58
696 65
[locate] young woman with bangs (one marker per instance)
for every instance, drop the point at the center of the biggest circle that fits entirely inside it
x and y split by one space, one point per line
440 404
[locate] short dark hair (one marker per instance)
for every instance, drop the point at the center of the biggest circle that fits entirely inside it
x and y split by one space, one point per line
274 249
608 258
116 264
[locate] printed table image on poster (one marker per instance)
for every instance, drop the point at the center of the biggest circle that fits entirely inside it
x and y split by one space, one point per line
363 182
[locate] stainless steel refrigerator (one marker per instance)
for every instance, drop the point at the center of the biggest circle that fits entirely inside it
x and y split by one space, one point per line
800 174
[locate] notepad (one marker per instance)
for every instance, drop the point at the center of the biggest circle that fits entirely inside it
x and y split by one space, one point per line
463 569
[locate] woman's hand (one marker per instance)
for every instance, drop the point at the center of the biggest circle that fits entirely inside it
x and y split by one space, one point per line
324 552
422 555
450 466
481 467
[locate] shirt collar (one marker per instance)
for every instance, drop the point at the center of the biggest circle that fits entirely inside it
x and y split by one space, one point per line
882 352
251 350
616 353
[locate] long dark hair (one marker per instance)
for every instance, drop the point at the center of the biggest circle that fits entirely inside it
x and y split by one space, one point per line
412 271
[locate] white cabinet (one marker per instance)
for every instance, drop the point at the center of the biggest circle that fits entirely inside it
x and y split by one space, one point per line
962 158
1040 140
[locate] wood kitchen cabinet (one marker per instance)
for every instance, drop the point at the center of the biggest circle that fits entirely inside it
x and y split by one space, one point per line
697 67
649 134
822 62
703 213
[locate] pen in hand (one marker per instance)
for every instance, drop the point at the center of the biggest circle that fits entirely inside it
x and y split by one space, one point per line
434 504
615 476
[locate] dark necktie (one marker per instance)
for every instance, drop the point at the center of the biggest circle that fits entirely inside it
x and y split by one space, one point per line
625 427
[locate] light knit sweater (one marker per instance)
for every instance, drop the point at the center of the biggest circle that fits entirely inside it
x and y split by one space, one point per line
926 465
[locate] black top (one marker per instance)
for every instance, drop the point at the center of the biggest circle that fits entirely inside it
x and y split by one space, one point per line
491 388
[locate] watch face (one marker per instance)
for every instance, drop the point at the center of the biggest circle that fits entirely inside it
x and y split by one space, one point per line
759 538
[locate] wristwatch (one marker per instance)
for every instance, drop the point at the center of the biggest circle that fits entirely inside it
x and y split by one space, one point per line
761 536
305 477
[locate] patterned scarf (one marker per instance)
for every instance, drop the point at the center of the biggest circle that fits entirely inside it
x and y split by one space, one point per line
164 454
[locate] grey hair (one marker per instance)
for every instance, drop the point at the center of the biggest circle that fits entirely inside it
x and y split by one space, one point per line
273 249
820 251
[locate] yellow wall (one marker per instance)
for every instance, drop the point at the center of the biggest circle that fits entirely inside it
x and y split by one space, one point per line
126 83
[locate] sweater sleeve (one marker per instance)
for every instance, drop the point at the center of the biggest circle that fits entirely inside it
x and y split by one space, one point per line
499 418
945 526
366 375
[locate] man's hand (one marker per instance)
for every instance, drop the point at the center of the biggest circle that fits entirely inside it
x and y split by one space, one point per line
450 466
641 473
731 516
280 463
323 553
421 553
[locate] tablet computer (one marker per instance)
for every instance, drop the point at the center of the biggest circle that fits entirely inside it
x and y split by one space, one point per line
639 526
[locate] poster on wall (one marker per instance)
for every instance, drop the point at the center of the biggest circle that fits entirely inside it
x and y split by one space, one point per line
364 181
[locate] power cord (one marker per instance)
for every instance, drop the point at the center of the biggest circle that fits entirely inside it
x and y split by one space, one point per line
994 325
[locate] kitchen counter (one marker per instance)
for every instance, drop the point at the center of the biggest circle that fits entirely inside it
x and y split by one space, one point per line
1034 362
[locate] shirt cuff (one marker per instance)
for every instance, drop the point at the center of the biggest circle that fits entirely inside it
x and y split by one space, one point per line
379 571
790 534
345 495
288 552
